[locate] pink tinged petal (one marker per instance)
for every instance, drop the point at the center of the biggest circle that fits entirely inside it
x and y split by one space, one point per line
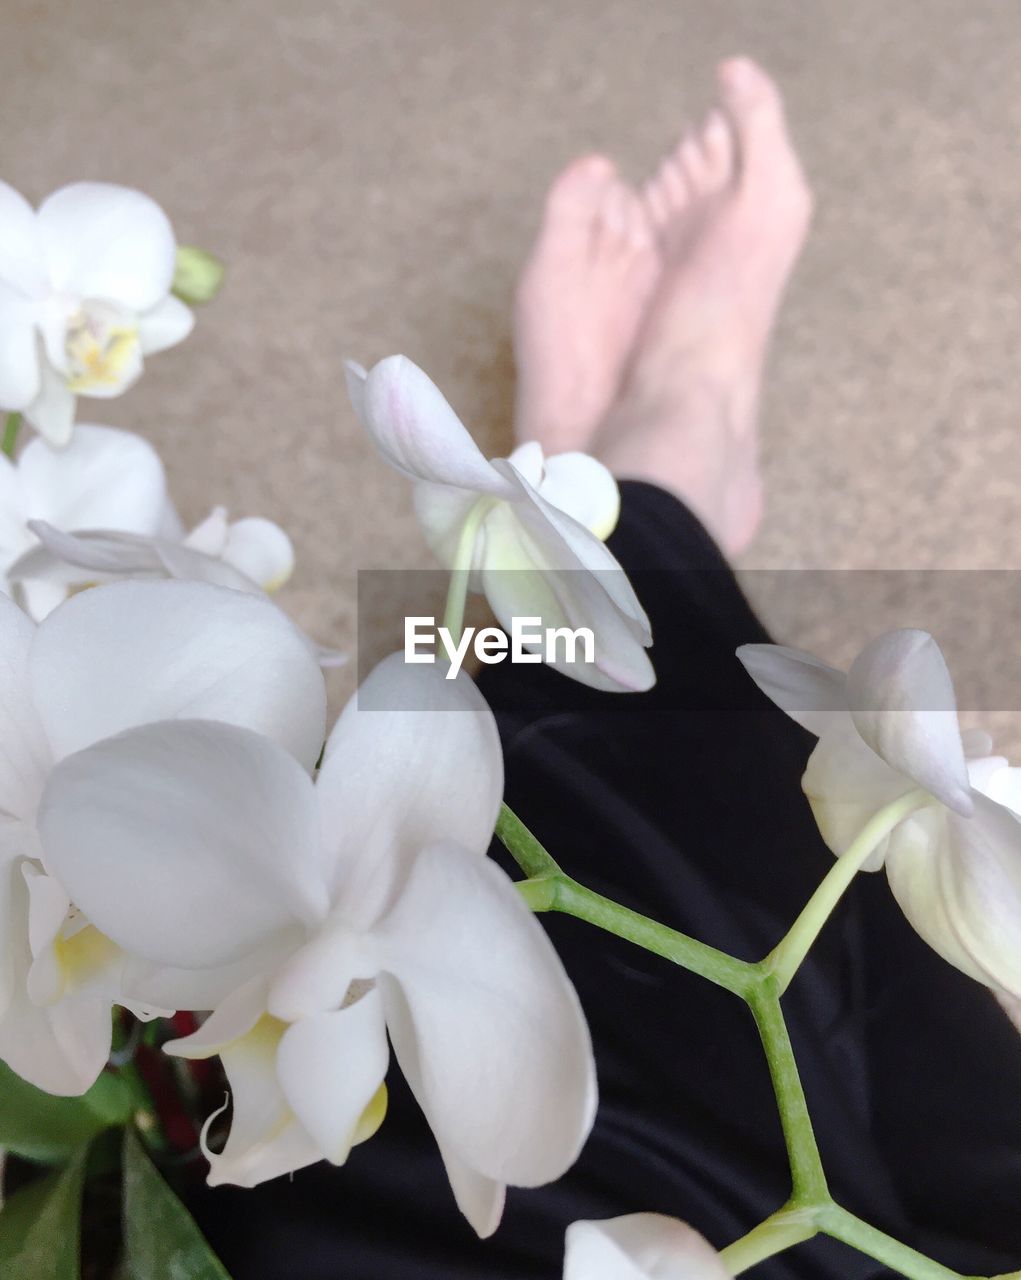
189 843
902 700
134 652
414 758
21 264
261 550
24 753
109 242
167 324
981 887
810 692
104 479
266 1140
582 488
485 1022
330 1068
640 1246
416 430
20 375
52 411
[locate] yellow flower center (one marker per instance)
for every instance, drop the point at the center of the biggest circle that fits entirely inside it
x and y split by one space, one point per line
102 348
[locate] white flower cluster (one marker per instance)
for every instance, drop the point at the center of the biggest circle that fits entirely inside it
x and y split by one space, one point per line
174 835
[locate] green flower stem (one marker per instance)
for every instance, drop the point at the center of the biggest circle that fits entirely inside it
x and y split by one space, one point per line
12 425
523 847
785 960
457 591
842 1225
811 1209
807 1176
549 889
787 1227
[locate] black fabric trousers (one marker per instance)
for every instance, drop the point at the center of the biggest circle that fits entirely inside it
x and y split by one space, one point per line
685 803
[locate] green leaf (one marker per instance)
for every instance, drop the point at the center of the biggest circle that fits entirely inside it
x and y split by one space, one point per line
198 276
161 1240
38 1126
40 1226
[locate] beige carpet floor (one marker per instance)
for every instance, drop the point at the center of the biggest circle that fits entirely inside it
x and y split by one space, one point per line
371 171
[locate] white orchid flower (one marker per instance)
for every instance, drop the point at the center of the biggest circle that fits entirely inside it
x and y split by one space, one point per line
370 900
887 727
530 528
105 478
107 660
252 555
640 1246
84 297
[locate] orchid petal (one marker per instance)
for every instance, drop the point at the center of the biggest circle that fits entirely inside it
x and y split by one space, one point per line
416 430
479 1198
813 694
265 1138
521 580
231 1020
53 409
24 754
261 550
21 264
640 1246
902 700
847 784
20 376
134 652
412 759
981 888
188 843
484 1021
330 1068
566 544
582 488
442 511
104 479
164 326
61 1048
109 242
919 849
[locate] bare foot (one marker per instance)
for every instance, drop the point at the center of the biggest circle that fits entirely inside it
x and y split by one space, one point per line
731 209
580 301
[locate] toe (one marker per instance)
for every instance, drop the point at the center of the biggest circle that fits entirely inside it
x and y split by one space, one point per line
718 149
754 105
577 193
676 183
656 201
692 162
613 217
